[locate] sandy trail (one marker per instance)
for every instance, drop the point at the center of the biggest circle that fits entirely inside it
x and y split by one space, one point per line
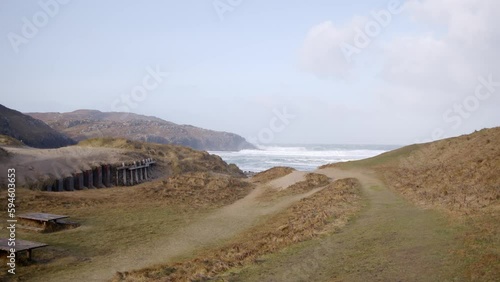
215 228
287 180
391 240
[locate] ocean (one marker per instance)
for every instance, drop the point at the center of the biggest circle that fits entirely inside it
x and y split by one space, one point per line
301 157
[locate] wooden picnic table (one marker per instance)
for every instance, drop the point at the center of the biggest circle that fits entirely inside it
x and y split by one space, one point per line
42 217
21 245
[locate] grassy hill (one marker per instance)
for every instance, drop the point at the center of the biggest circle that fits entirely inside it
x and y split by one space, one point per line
173 158
460 176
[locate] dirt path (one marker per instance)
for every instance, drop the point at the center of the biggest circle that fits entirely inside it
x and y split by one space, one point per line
391 240
208 231
288 180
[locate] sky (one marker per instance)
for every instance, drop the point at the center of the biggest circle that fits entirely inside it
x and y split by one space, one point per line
283 71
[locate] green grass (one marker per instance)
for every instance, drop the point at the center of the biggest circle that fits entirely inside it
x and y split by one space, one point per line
104 233
381 159
390 239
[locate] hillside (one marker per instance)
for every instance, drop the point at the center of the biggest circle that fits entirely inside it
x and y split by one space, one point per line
38 166
460 175
30 131
84 124
173 159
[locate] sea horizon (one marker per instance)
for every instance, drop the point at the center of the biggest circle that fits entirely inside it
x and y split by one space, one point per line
306 157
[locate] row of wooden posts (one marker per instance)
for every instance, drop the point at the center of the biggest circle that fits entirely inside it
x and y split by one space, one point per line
105 176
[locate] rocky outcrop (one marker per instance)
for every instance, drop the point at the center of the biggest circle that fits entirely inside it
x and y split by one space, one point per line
85 124
30 131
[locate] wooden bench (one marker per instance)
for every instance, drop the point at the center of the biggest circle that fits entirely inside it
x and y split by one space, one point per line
21 246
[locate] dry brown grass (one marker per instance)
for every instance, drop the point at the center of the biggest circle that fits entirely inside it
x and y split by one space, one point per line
9 141
189 190
324 211
199 189
113 220
173 158
312 181
271 174
481 247
460 176
40 167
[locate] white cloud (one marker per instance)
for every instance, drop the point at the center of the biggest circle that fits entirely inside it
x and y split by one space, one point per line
444 67
424 72
321 54
443 63
469 21
426 67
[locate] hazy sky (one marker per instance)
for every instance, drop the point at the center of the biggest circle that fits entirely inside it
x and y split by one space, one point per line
384 72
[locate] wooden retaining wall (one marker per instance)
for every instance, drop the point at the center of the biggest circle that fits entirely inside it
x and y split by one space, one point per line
108 175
